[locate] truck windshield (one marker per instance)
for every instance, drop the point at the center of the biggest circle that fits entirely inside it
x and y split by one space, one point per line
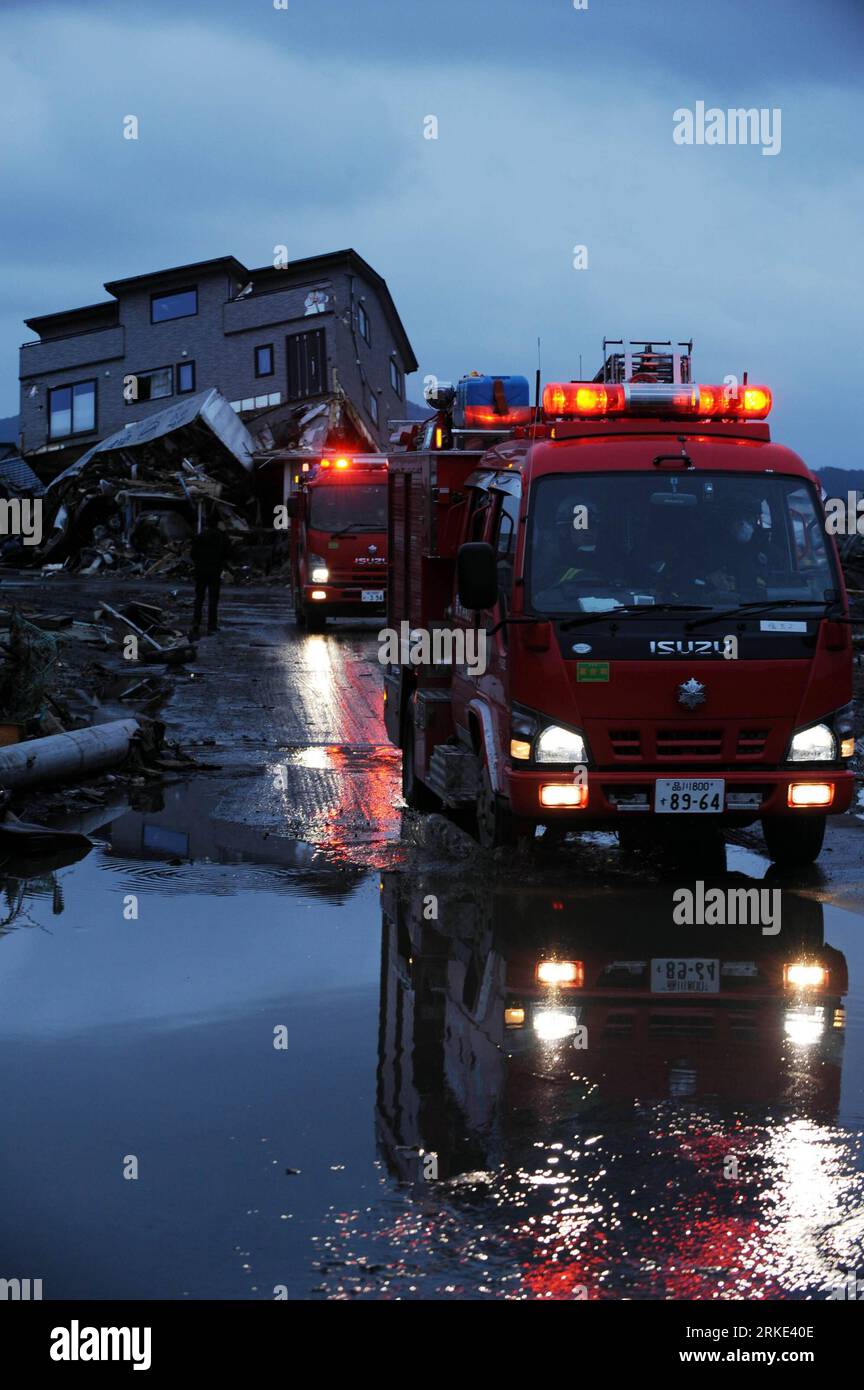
340 506
601 541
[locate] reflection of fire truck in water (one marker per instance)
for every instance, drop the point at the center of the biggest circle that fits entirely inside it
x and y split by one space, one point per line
339 538
555 1044
666 624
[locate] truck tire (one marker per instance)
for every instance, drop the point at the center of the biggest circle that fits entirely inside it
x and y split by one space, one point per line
299 615
415 793
793 841
496 824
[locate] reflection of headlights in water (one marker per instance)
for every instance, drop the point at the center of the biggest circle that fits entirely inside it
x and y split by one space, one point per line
559 972
804 1027
553 1024
804 974
315 757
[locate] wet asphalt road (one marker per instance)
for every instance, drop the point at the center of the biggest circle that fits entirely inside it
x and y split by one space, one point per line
282 999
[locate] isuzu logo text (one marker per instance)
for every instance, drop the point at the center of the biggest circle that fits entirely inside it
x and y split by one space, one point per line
726 647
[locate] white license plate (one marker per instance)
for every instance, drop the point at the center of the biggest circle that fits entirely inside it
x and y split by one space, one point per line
689 795
685 975
372 595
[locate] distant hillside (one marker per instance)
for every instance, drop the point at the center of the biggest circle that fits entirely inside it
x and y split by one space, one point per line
9 430
838 481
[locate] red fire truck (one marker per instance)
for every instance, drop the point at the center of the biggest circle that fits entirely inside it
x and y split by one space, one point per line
666 625
339 538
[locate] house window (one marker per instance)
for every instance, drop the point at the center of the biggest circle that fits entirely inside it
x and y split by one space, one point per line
185 378
178 305
363 324
395 378
264 360
151 386
373 406
306 364
72 409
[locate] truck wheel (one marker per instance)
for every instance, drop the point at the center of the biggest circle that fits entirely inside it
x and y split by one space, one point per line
299 615
416 794
790 841
496 824
315 620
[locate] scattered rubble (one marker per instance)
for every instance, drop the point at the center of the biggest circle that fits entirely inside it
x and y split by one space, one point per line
134 501
66 674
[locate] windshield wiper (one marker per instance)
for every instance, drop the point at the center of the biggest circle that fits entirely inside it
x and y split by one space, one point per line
761 605
356 526
632 610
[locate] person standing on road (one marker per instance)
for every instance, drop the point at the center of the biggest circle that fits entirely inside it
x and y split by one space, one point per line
210 551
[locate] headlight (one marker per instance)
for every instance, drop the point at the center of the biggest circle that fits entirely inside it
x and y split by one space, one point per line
318 569
804 1026
551 1025
814 745
557 745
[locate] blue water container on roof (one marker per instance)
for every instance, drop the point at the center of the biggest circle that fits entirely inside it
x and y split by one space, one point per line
483 399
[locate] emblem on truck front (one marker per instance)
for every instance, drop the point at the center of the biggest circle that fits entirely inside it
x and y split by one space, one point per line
703 646
691 693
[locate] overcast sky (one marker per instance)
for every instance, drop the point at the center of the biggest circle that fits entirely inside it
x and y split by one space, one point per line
305 126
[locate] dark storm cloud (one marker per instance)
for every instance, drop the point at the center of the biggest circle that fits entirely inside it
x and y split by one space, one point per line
304 127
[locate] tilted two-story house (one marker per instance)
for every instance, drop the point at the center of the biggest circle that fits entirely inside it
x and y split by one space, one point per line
264 338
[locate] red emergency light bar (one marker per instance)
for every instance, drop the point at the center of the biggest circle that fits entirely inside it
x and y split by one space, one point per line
485 418
359 461
569 400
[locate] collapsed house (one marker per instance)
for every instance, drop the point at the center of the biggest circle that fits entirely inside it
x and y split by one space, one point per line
17 478
285 435
136 499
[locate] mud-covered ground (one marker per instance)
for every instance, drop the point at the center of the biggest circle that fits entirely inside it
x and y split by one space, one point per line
275 1034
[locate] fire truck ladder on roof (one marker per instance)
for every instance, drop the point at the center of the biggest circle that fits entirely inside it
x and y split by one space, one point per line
640 360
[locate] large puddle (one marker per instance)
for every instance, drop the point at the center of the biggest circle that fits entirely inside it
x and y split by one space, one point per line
334 1084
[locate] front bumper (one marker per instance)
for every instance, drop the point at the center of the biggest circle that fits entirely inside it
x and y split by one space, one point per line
346 600
616 796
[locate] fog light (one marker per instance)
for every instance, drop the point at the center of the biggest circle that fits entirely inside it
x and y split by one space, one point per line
514 1018
320 574
803 974
556 794
318 594
847 748
520 749
810 794
561 972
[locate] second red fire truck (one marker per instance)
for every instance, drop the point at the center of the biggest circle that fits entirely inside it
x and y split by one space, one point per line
339 538
667 641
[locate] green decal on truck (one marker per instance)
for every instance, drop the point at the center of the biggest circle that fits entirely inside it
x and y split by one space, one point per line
592 670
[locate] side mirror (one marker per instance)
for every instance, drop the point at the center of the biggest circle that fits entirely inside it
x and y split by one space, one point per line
291 506
476 575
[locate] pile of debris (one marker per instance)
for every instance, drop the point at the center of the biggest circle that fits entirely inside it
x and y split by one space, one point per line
62 671
79 697
134 501
852 558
